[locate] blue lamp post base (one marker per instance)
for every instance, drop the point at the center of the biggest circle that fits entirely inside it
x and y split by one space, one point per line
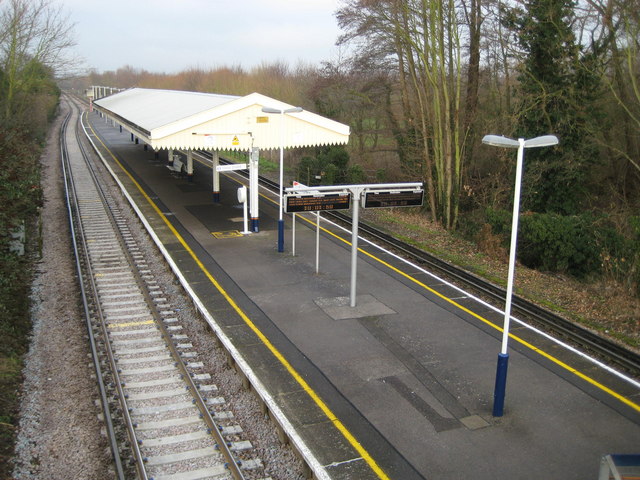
501 384
281 235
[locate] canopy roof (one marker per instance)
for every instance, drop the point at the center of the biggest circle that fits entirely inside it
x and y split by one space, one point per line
190 120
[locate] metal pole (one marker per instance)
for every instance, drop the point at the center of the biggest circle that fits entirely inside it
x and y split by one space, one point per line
243 198
503 356
280 219
253 189
293 235
317 242
354 245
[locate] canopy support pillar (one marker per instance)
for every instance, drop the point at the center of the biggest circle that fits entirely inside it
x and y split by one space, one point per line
190 166
215 159
253 188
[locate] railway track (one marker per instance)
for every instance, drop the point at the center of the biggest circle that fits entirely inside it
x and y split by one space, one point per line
604 348
609 351
163 416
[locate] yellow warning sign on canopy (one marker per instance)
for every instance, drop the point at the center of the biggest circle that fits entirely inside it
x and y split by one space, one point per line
235 140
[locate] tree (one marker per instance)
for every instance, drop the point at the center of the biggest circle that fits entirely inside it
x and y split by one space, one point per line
328 167
617 22
34 35
474 20
354 95
558 94
421 40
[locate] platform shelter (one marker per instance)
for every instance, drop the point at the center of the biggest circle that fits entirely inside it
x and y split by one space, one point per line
188 121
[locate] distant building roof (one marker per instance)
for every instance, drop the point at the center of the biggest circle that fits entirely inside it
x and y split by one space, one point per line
191 120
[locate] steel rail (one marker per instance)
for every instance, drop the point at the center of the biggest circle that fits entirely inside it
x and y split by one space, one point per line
88 276
613 352
607 349
79 253
233 464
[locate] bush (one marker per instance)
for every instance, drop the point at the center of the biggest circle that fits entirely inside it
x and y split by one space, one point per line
355 174
580 245
620 252
20 196
552 242
634 249
500 221
328 167
558 243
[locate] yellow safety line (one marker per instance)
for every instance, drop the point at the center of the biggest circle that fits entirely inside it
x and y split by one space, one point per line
276 353
523 342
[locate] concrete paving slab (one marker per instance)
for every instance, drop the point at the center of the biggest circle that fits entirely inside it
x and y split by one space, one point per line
339 308
412 384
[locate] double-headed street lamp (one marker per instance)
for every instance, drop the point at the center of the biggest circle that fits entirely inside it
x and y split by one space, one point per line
503 356
280 219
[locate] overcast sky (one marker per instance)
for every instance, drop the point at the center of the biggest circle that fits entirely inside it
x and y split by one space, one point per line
172 35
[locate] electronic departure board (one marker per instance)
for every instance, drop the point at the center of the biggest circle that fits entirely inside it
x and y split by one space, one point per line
317 202
411 198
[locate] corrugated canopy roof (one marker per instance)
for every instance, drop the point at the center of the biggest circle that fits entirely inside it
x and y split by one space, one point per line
191 120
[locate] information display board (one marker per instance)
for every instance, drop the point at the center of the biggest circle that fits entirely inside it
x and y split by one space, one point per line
317 202
390 198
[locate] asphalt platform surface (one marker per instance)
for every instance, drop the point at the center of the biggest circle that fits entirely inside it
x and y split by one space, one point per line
399 386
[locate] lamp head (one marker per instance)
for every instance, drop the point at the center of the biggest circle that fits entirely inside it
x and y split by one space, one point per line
544 141
500 141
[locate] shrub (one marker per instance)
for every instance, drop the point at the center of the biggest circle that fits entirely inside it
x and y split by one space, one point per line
328 167
355 174
558 243
551 242
620 252
20 195
500 222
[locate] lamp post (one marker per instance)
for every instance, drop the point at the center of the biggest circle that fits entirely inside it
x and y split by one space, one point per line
280 219
503 356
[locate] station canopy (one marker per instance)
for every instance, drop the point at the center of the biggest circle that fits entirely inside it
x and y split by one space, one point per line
171 119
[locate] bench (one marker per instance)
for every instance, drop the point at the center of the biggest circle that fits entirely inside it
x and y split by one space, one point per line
177 166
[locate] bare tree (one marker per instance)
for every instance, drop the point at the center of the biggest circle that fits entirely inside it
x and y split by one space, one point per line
615 25
422 39
32 33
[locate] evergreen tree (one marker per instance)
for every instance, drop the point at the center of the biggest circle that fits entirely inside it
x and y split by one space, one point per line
557 96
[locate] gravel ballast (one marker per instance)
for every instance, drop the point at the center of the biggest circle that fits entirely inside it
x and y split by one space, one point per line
60 434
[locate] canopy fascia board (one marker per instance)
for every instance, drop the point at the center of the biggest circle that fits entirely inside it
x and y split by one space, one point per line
137 130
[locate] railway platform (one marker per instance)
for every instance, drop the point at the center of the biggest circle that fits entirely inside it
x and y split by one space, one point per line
399 386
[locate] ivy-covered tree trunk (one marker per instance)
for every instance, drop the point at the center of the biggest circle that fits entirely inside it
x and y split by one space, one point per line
557 96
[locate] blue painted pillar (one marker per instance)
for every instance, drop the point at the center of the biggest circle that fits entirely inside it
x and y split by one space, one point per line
501 384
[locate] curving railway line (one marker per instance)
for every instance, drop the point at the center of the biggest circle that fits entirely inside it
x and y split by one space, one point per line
163 416
609 351
135 325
